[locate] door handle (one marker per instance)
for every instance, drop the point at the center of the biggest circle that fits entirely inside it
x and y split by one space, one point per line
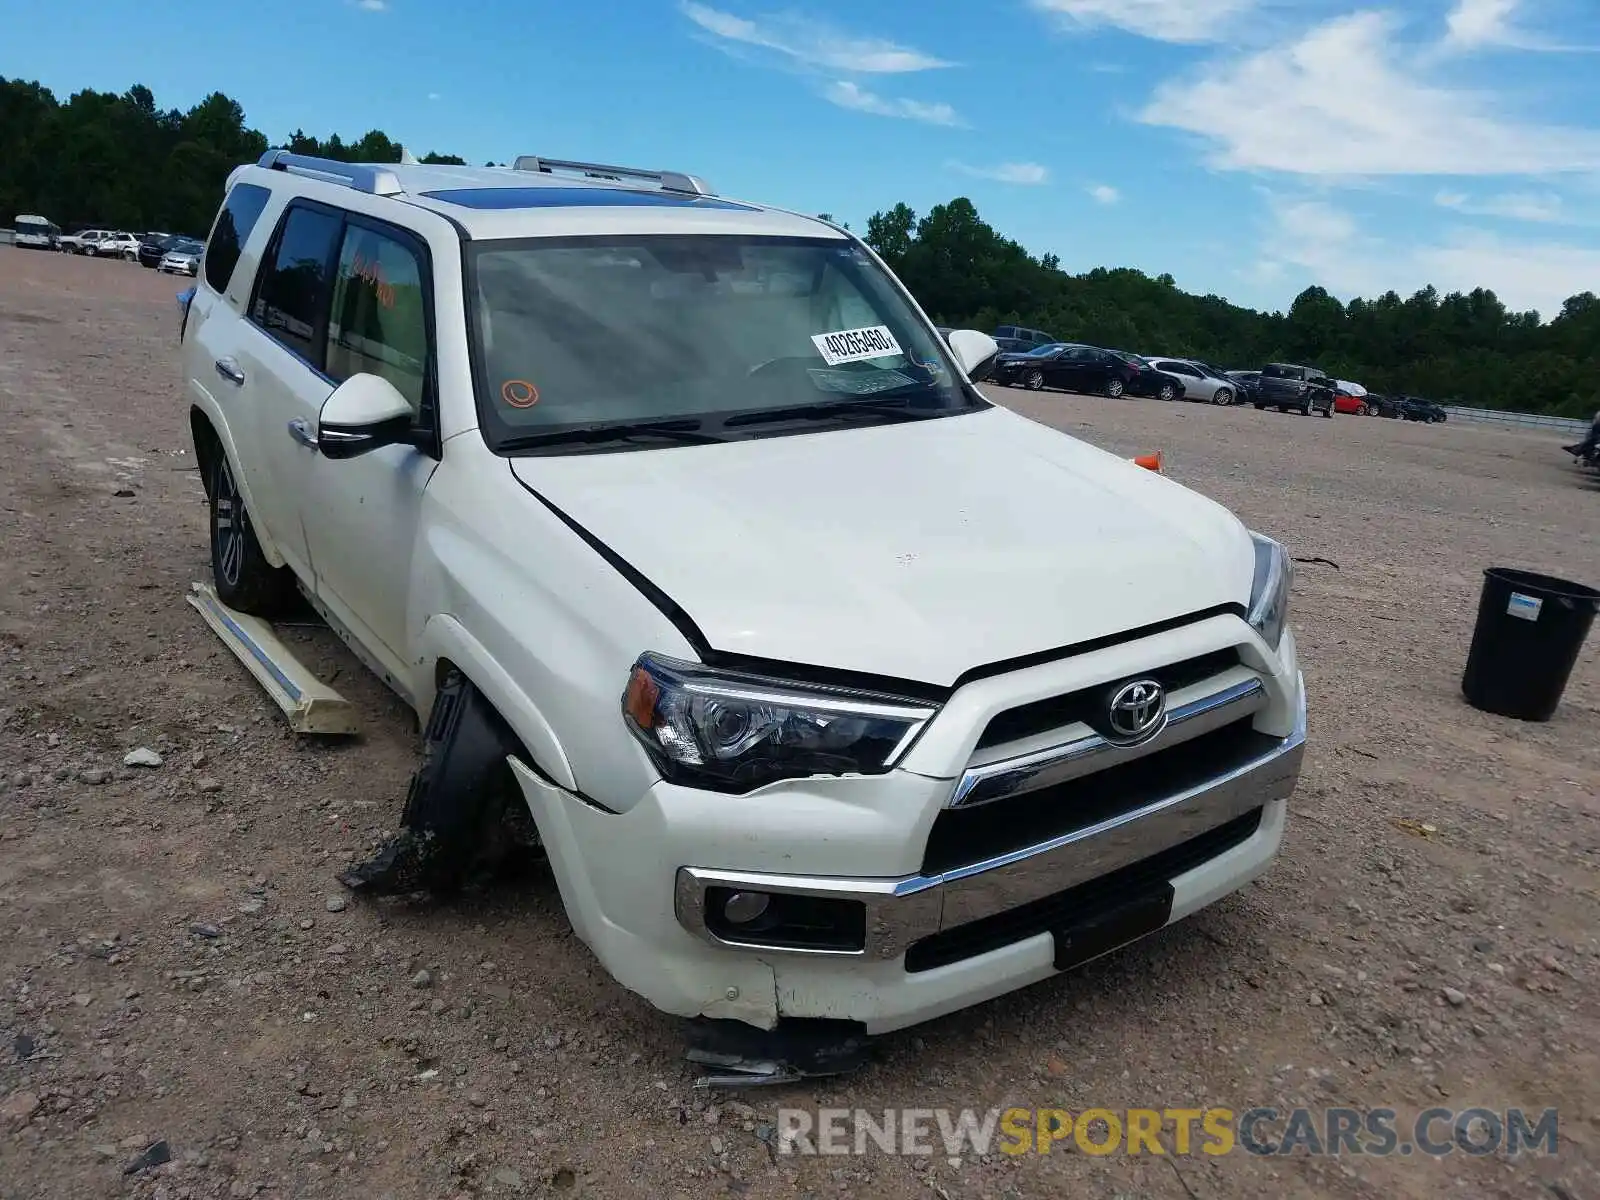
229 370
300 430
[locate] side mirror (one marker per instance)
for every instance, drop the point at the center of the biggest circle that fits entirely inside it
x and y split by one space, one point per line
364 413
975 352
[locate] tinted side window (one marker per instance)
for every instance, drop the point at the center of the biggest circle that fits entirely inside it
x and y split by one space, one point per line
240 212
379 321
292 291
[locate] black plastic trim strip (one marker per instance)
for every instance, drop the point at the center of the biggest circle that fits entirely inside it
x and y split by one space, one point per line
665 604
1039 657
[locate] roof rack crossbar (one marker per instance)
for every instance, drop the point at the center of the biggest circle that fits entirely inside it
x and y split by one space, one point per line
668 181
363 177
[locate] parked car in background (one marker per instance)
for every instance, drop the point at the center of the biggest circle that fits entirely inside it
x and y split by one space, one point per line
1415 408
1383 406
1290 387
103 243
183 258
1199 382
1013 367
79 243
153 245
118 245
1350 398
1092 370
1248 384
30 232
1015 337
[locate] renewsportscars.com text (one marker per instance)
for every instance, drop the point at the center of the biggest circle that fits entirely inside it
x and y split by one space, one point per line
1433 1132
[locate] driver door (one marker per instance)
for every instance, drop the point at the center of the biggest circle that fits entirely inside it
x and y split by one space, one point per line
1064 369
362 515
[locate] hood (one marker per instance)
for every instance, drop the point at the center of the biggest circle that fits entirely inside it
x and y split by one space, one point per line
916 551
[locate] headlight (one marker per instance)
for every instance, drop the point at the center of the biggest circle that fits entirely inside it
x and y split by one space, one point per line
1269 591
732 733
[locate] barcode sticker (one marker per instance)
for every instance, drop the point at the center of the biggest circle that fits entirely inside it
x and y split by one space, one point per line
856 345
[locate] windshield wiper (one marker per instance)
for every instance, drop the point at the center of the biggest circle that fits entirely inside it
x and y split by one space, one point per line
681 432
899 409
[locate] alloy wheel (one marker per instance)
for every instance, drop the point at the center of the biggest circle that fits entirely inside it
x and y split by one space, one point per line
229 525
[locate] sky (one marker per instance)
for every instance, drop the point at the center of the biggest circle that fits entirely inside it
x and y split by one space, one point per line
1248 147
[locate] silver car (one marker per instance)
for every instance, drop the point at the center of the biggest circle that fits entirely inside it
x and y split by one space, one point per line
182 259
1199 381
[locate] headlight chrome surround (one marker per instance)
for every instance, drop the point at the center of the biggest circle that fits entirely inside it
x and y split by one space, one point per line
731 732
1269 590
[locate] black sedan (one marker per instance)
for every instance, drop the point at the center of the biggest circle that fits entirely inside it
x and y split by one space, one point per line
1415 408
1087 369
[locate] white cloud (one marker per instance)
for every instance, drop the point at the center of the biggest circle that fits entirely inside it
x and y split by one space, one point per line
1163 20
1104 193
1480 22
1026 173
372 5
850 95
1337 102
1516 206
1328 244
433 95
1488 24
811 43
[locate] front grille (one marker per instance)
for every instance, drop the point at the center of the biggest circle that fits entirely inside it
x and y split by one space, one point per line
1088 704
1073 905
963 836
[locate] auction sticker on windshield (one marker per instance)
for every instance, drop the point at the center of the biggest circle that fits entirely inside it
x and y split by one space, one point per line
855 345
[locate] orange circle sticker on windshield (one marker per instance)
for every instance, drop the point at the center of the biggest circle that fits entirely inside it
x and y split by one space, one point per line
519 393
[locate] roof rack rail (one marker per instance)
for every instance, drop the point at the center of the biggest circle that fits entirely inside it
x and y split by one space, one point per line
668 181
379 181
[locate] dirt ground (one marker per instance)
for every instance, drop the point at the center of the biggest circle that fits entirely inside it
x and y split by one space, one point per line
177 963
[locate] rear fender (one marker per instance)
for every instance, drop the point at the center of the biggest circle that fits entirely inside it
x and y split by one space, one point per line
203 423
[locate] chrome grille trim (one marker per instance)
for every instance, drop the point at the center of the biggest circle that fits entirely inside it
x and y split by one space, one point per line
1091 752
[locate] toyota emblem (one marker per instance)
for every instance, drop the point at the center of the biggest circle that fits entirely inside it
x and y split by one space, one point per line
1137 711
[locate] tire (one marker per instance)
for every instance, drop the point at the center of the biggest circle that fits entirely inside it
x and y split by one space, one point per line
1167 392
1223 397
244 579
1261 408
1033 380
1328 412
1115 388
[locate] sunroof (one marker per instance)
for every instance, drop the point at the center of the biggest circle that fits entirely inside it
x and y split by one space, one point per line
576 197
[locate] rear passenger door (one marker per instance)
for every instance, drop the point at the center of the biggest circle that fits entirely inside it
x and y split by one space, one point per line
280 361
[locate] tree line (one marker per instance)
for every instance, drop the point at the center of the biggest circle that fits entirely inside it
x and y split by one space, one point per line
119 161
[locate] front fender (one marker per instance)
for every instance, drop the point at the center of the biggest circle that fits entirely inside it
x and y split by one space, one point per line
445 637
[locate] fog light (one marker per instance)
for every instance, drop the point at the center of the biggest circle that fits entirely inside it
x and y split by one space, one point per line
744 907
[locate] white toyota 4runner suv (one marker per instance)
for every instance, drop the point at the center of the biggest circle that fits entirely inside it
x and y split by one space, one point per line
839 698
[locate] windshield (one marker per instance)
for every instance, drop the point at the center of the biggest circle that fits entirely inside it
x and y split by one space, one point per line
1042 351
184 246
31 225
1278 371
573 332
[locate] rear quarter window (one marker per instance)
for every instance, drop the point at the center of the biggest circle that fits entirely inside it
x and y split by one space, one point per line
240 212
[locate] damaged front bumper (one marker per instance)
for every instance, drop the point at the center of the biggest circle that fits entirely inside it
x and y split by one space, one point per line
929 943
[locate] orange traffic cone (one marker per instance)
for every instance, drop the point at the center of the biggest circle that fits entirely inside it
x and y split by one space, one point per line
1150 462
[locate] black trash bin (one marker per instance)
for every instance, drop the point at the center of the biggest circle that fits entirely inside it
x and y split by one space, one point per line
1530 628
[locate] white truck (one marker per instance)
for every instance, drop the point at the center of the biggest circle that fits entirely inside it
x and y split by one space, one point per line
102 243
839 697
